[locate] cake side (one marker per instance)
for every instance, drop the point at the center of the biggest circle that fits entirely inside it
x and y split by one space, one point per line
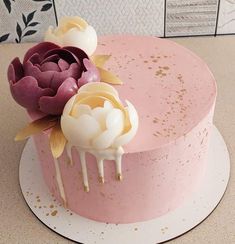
156 182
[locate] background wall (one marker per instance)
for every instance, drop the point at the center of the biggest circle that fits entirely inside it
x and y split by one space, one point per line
27 20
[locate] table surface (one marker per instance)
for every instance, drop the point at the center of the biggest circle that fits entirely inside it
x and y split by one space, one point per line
17 222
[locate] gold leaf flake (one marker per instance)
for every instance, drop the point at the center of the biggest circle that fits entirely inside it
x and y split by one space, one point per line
57 141
36 127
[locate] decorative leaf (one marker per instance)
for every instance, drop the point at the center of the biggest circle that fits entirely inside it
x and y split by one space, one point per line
8 5
4 37
24 20
18 30
109 77
46 7
33 24
30 32
36 127
100 60
57 141
30 16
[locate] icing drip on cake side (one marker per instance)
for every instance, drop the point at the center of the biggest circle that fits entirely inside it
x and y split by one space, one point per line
100 155
59 181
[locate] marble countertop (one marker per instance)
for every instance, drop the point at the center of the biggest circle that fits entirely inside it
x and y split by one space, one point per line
17 222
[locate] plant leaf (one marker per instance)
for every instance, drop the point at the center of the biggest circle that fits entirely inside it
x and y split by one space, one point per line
100 60
57 141
35 127
30 16
18 30
30 32
24 20
109 77
33 24
8 5
46 7
4 37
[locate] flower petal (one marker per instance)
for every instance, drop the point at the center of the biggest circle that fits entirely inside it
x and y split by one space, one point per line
64 54
80 131
115 121
127 137
51 37
26 92
100 114
59 77
43 78
35 59
81 109
55 105
63 64
15 70
50 66
53 58
41 48
104 140
78 53
95 87
91 75
86 39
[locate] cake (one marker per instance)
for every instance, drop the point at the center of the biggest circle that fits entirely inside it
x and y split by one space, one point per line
167 99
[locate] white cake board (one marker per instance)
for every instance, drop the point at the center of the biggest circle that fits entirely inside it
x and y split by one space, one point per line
169 226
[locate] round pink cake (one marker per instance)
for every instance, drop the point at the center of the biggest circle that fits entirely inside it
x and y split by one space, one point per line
174 93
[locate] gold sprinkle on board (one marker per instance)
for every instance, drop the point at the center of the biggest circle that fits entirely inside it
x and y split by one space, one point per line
54 213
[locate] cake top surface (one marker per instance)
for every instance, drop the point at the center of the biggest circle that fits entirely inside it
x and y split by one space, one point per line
171 88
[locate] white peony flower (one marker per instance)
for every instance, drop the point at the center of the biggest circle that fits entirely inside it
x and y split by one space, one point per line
95 118
73 31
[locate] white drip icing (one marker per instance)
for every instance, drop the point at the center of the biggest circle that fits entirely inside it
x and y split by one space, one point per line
100 155
82 155
69 153
100 165
60 181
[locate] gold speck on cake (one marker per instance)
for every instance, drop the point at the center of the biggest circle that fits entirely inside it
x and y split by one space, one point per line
86 188
101 179
119 177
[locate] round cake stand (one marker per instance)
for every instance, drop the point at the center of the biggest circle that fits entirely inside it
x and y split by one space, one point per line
169 226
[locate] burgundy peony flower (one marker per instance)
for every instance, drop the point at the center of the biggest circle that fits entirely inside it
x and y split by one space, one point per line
49 77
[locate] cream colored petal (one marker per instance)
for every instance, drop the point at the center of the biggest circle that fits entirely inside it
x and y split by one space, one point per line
81 109
51 37
80 131
115 121
104 140
98 86
85 40
108 105
68 106
127 137
100 115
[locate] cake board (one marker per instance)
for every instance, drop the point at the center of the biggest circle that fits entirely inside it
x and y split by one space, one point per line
169 226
